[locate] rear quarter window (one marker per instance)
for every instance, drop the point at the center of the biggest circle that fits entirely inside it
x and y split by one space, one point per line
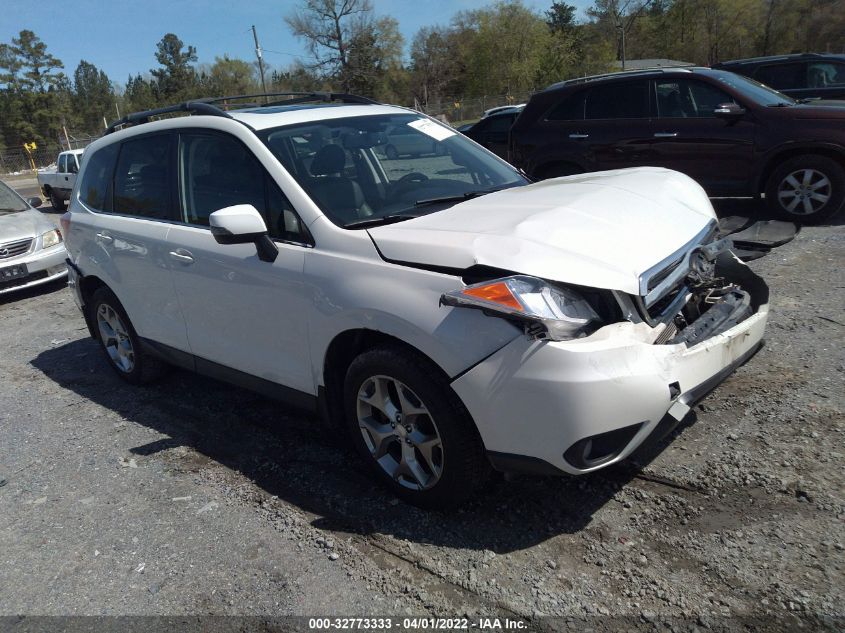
95 188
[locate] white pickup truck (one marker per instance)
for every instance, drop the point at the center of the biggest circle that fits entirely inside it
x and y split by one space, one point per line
56 184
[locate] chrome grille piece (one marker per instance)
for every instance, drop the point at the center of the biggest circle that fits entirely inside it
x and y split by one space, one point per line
13 249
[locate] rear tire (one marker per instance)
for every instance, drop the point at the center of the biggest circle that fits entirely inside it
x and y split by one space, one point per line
56 200
808 189
412 430
119 342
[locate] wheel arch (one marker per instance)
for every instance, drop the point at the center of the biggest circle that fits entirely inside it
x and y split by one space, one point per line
787 153
88 285
340 353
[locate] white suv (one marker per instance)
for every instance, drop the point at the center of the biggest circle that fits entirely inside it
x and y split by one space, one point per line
450 314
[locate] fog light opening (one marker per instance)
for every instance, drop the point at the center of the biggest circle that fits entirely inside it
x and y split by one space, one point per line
599 449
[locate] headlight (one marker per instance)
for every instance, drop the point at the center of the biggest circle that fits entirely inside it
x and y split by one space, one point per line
549 311
50 238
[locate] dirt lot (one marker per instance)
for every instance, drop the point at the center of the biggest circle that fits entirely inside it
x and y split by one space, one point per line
193 497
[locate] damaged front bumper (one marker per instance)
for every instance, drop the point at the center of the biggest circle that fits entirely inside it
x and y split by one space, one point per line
576 406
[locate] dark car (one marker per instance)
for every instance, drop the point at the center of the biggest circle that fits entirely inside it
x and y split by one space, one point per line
492 131
804 76
735 136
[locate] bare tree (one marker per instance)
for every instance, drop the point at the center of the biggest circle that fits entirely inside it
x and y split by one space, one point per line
330 27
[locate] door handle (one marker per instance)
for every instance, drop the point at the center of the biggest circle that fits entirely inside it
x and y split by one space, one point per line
104 238
665 134
579 136
182 256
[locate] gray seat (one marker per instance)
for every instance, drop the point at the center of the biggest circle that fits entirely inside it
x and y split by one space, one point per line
339 197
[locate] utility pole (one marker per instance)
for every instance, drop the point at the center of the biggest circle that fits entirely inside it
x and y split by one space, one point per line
260 62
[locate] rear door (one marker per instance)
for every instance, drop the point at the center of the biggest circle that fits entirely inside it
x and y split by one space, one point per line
241 313
129 187
688 137
617 128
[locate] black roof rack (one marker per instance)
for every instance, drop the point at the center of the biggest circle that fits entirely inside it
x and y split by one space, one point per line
621 73
207 106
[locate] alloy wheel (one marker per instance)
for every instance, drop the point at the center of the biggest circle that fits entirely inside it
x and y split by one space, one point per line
400 433
115 337
804 192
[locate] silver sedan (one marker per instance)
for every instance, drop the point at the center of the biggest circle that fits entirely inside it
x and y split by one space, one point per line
32 250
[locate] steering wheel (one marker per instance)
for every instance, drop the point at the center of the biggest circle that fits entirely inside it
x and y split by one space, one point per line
414 176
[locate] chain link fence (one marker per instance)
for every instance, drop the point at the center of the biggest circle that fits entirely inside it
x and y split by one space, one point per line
15 161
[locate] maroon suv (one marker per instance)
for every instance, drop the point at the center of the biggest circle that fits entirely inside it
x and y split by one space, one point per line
735 136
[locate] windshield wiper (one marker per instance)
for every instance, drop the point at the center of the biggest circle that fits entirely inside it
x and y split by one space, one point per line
384 219
459 198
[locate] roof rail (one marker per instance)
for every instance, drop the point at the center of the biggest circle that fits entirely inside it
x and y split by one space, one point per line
296 97
199 106
619 73
206 106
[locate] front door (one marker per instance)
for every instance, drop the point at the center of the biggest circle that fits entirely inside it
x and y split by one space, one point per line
688 137
241 313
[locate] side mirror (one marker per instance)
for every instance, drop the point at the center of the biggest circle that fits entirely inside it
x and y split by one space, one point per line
34 202
728 111
242 224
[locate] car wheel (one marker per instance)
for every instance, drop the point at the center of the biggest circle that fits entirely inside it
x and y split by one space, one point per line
119 341
412 429
56 200
391 152
807 189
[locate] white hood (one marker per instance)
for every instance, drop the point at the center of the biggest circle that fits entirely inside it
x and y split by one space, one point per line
601 230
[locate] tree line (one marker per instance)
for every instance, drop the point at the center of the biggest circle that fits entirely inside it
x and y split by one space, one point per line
501 50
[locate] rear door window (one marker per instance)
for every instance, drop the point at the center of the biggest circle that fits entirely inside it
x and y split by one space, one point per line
570 109
143 179
618 101
782 76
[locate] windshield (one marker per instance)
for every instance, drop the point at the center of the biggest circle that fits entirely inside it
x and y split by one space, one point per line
361 170
10 202
759 93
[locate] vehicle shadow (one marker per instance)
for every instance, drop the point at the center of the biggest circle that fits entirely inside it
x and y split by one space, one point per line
303 461
33 291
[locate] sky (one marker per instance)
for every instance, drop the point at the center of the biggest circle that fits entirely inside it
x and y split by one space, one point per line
120 37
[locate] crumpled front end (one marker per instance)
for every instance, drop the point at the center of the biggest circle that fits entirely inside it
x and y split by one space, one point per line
579 405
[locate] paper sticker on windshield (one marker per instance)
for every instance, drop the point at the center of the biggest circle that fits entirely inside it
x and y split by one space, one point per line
434 130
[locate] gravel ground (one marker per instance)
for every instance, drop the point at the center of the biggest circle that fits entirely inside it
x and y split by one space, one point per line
193 497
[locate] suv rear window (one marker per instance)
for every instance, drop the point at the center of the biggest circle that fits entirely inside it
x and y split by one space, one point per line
95 188
142 180
618 101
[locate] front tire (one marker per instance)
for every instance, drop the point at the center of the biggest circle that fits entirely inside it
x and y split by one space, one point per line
807 189
119 342
412 430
